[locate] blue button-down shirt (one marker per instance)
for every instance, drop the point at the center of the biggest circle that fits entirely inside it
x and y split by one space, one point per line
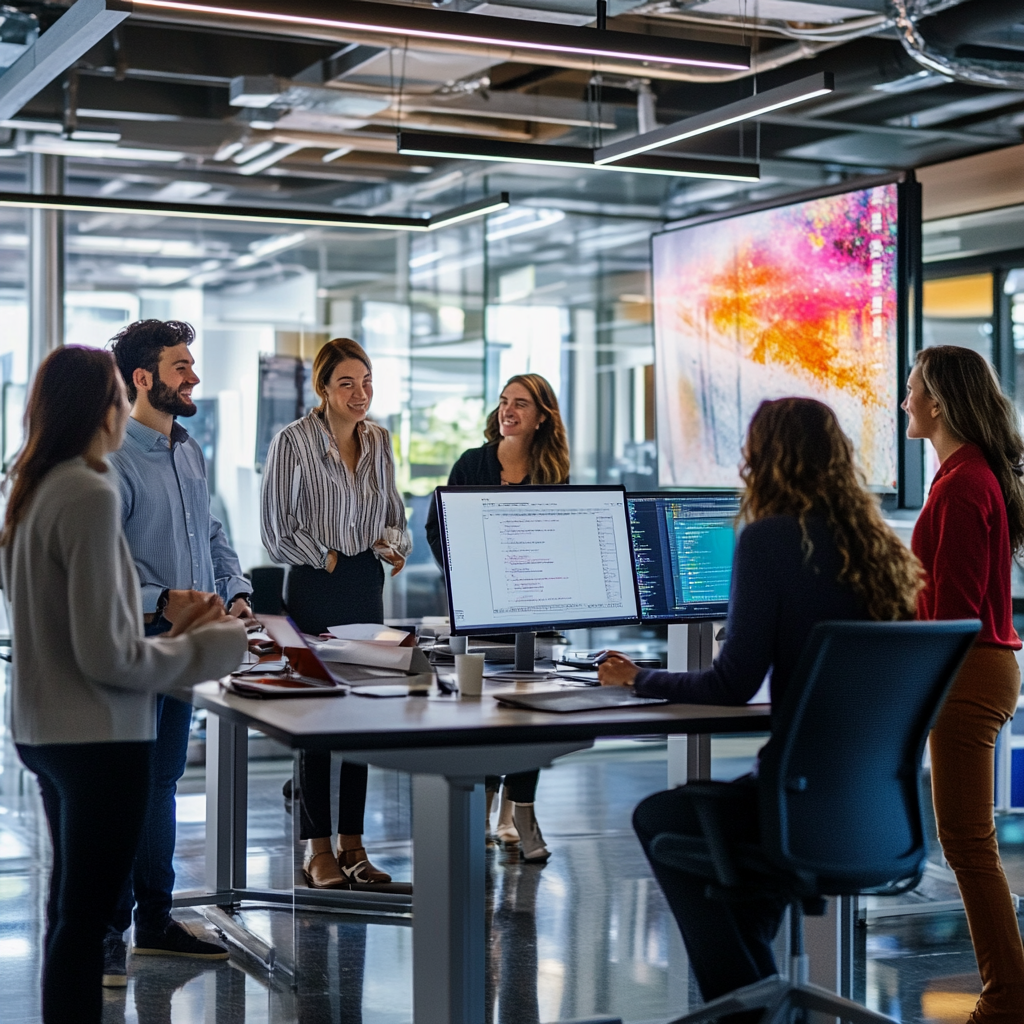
165 509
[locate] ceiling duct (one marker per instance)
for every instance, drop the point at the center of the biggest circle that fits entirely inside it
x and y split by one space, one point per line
934 41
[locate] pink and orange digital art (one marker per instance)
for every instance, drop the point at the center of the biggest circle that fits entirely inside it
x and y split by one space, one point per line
795 300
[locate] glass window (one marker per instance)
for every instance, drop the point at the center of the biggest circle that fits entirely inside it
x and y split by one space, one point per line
958 311
14 343
446 318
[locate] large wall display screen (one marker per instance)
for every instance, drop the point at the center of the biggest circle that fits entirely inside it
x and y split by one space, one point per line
794 300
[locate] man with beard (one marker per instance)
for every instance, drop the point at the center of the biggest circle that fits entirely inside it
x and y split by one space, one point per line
179 549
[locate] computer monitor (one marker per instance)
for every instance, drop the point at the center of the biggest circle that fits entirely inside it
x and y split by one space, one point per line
683 542
522 559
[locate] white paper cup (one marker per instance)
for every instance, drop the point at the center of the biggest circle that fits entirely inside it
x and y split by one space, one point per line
469 670
458 644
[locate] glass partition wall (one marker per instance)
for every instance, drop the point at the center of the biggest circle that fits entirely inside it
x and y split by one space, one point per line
446 318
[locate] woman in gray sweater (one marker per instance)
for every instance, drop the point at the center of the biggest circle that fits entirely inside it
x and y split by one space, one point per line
84 677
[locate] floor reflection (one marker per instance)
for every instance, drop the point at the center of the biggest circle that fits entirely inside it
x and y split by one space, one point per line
512 944
586 934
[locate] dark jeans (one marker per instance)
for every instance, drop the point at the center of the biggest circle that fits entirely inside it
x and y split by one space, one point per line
317 599
520 787
94 795
729 944
151 884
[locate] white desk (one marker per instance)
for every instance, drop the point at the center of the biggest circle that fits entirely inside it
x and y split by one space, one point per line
448 746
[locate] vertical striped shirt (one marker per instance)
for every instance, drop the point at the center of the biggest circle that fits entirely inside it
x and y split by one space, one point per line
312 503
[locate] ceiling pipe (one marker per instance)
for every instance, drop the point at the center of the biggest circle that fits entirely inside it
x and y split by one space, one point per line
935 48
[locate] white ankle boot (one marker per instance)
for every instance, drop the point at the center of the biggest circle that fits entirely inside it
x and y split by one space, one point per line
506 830
530 837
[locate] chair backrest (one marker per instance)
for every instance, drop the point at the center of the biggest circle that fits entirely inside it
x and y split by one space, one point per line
839 792
267 589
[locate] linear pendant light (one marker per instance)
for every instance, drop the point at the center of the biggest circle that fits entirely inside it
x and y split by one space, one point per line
451 26
250 214
819 84
461 147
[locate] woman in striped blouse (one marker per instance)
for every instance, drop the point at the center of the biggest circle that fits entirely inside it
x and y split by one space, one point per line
330 510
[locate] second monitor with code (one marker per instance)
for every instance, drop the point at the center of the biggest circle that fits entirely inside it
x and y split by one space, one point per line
683 542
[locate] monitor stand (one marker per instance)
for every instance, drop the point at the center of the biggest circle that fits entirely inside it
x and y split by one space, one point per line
526 644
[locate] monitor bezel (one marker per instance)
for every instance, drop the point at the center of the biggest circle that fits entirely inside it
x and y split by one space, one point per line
695 492
508 627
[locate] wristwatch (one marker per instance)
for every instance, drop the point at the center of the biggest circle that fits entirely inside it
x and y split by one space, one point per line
161 601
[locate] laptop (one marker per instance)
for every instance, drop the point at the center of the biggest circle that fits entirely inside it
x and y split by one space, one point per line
565 701
306 674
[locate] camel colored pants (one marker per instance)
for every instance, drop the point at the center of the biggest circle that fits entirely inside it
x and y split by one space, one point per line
983 698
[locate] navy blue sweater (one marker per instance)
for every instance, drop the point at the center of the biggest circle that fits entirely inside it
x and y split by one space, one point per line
776 598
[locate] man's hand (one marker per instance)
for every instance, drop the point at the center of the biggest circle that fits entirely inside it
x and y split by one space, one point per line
616 670
179 602
240 609
332 561
209 608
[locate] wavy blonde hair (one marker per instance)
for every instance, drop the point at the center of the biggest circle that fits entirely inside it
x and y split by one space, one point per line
798 462
549 452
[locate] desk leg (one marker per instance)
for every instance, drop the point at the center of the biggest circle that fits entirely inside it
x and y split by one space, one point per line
829 943
448 935
227 792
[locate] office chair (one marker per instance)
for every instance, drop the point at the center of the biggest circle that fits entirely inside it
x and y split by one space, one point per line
838 794
267 589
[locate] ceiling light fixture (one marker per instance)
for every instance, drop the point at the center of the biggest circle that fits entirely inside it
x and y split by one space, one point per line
460 147
742 110
257 215
456 27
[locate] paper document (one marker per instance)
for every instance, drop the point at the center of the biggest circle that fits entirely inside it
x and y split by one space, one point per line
372 633
356 652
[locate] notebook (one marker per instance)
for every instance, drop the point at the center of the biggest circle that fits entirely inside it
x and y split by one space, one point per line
565 701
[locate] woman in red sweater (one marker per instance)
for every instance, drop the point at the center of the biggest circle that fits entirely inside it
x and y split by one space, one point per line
971 526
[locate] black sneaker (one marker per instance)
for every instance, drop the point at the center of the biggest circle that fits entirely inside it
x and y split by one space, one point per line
115 973
176 940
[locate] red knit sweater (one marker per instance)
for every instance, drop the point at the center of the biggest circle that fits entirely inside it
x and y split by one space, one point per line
963 540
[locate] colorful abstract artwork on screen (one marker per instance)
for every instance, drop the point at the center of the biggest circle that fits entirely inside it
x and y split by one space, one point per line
796 300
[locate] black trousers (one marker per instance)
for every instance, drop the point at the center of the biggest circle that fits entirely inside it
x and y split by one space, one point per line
729 944
317 599
520 787
94 795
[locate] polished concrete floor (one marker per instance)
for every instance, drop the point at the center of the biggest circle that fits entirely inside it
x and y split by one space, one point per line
588 933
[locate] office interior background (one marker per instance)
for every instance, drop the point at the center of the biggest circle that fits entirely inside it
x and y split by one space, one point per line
259 117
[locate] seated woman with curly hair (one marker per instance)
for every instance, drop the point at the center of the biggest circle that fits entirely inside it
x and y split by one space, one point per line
813 548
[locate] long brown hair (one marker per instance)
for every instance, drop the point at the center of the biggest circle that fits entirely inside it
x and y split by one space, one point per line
335 351
549 451
798 462
976 411
73 389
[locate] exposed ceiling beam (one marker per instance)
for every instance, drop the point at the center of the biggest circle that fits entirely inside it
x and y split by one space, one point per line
75 32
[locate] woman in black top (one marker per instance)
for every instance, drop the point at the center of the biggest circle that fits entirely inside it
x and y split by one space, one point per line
814 548
526 444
